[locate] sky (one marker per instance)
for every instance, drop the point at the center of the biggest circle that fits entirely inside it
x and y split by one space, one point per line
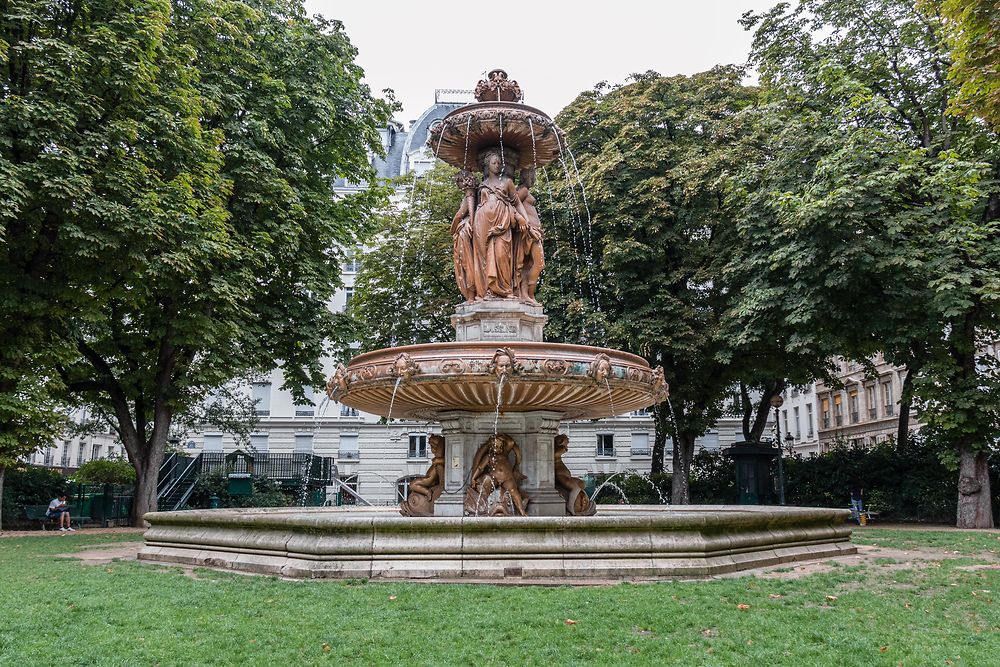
554 49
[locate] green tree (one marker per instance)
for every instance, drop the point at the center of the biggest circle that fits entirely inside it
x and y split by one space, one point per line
973 31
654 155
168 215
870 215
405 291
30 416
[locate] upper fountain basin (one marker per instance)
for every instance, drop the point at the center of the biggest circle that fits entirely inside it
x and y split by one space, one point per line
460 135
578 381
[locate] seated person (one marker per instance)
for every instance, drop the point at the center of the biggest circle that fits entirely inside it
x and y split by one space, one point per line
59 510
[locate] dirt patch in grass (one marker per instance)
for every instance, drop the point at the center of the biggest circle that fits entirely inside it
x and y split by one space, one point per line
870 556
78 531
102 554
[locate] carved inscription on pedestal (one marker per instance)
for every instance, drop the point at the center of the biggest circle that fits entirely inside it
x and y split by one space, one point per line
500 329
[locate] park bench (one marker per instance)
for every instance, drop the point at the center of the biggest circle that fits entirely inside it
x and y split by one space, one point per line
40 514
867 515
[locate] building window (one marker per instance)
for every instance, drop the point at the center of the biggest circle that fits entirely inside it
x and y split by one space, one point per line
309 409
349 446
47 461
261 392
403 487
258 442
352 263
418 446
95 452
870 401
303 443
888 400
640 445
351 482
348 412
605 444
809 420
838 410
79 454
785 418
641 412
65 455
852 406
348 297
798 425
825 412
213 443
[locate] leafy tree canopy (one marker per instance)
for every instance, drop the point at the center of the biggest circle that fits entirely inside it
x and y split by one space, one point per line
168 218
873 213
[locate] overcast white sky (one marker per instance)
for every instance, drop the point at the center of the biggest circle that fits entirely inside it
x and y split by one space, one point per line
554 48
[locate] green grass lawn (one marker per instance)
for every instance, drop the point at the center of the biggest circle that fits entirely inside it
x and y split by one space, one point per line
58 611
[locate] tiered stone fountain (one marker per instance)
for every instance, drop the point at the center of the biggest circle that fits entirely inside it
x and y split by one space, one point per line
497 500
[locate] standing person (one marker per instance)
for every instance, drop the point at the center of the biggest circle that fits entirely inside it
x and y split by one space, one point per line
58 509
856 505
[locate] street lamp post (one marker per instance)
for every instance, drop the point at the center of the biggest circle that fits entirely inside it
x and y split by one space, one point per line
776 402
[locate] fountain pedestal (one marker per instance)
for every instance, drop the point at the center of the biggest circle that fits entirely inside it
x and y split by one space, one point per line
500 320
464 432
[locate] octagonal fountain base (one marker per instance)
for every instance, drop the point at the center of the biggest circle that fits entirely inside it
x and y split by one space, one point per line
621 543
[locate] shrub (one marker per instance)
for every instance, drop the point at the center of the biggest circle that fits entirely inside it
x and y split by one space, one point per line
637 489
266 492
29 485
903 485
106 471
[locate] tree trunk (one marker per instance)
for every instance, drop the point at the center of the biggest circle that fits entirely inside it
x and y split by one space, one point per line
680 480
905 402
3 470
974 506
147 458
763 409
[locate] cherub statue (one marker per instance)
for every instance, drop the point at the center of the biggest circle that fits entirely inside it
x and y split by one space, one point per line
492 470
425 490
569 487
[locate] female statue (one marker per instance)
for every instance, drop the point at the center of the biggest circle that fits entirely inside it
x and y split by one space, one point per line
498 213
530 256
470 280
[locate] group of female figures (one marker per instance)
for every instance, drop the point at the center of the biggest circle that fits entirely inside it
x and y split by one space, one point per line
497 233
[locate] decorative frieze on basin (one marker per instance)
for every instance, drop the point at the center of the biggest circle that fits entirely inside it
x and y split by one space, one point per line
578 381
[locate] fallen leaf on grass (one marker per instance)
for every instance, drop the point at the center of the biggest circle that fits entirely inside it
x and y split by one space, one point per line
743 607
569 621
883 649
709 632
775 595
326 647
392 597
832 598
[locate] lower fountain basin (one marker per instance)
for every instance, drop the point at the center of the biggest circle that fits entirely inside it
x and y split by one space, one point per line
622 542
422 381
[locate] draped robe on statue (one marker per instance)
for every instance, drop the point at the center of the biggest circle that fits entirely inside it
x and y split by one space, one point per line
495 221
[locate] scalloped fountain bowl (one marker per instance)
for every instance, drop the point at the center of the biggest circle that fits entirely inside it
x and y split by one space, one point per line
579 381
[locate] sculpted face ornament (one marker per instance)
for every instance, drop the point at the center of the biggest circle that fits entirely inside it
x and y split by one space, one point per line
503 362
600 368
337 385
404 367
